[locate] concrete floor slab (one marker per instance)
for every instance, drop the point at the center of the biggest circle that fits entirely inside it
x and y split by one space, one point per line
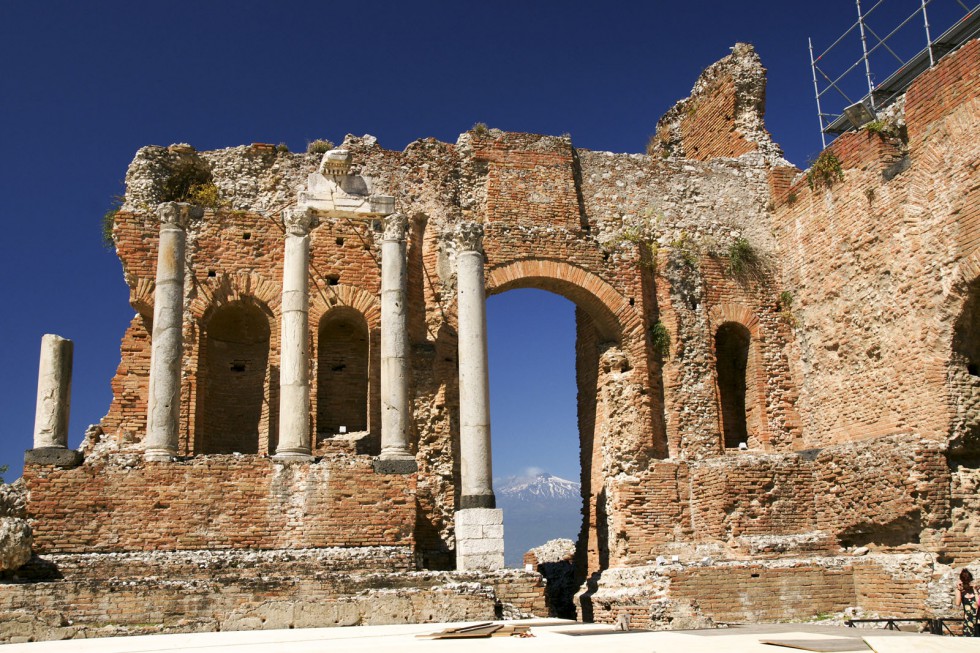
923 644
549 635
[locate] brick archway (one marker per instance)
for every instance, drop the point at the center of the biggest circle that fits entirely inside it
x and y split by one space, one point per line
325 300
616 320
261 298
225 289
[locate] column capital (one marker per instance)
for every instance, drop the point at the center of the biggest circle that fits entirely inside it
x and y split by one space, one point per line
178 214
468 236
299 220
395 226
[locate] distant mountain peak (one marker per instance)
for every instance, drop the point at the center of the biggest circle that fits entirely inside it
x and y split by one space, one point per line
540 486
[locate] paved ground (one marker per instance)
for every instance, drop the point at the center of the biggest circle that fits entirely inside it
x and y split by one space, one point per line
549 635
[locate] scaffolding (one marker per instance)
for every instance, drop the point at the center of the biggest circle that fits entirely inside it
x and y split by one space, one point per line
896 55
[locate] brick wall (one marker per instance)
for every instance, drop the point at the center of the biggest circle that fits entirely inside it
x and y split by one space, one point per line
860 364
106 608
708 128
756 593
757 495
656 509
218 502
879 266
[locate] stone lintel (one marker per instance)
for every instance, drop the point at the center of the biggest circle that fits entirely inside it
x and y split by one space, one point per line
395 466
366 208
56 456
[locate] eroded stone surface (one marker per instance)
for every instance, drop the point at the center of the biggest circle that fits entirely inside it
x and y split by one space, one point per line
15 543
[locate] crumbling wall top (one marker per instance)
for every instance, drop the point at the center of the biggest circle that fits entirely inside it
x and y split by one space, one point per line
723 116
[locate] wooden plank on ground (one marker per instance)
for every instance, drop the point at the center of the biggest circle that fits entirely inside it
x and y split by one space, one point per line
820 645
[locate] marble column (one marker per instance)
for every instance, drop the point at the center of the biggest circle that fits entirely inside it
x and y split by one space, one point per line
395 410
53 402
479 525
474 380
163 403
294 363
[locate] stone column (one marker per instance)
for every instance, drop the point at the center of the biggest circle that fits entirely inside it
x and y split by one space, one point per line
294 363
479 526
163 403
474 379
53 402
395 455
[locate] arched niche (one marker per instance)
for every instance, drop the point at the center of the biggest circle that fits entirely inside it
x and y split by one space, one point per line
732 344
234 379
343 365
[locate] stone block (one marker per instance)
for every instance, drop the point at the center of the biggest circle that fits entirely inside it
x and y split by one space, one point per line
480 516
479 546
469 532
480 562
57 456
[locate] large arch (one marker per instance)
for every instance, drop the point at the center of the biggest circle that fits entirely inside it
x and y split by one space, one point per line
608 328
614 316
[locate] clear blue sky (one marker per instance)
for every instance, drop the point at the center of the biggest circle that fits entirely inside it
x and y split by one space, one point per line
84 84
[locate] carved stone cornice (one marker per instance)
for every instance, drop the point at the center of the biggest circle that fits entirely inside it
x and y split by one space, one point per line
468 237
299 221
178 214
395 225
335 163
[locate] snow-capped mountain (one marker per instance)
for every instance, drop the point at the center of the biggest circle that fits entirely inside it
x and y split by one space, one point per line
537 508
541 486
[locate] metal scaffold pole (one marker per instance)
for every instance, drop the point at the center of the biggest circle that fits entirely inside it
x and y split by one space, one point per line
816 93
864 49
925 19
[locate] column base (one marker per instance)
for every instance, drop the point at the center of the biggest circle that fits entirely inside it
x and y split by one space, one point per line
468 501
396 465
159 456
479 539
57 456
293 457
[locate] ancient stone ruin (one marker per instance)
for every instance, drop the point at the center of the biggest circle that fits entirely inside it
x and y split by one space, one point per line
778 378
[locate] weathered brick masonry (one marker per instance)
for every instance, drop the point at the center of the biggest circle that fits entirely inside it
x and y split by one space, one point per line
830 329
220 502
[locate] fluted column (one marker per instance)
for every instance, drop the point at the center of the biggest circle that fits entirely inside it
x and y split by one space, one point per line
294 363
474 379
395 454
163 403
